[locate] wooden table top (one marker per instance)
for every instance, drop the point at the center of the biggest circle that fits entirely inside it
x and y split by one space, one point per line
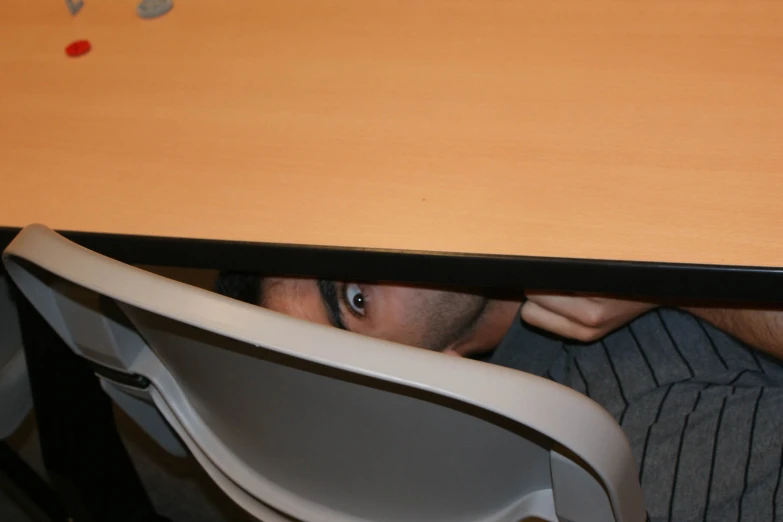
604 129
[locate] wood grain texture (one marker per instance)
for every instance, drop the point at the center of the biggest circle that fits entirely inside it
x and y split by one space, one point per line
647 130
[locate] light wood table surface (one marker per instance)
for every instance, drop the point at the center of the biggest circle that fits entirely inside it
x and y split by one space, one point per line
627 146
645 131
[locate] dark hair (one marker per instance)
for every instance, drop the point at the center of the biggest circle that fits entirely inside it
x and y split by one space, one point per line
243 286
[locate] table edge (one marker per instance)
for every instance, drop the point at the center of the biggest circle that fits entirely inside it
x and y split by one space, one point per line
496 274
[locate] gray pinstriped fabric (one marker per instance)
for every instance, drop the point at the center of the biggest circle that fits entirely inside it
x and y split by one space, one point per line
703 413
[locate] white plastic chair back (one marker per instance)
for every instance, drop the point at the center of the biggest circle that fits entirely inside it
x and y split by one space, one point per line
15 396
297 421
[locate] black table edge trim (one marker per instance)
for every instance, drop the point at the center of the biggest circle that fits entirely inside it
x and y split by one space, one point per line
487 273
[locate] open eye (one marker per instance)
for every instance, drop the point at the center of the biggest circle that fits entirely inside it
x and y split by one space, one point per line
354 298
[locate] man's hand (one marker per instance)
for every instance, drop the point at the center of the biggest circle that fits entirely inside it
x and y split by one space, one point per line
588 319
585 319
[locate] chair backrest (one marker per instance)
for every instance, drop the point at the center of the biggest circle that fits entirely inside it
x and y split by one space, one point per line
298 421
15 396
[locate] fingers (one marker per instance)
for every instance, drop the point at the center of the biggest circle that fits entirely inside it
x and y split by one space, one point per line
536 315
587 311
582 318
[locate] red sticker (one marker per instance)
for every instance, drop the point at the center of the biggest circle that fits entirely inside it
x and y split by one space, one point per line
78 48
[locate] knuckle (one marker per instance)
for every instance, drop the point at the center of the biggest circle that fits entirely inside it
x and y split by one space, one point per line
587 335
593 317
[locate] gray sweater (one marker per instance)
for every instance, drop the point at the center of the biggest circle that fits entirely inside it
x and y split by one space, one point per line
703 412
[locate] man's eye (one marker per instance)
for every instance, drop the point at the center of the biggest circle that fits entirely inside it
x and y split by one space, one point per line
354 298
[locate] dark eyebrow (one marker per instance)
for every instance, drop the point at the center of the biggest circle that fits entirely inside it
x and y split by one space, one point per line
331 302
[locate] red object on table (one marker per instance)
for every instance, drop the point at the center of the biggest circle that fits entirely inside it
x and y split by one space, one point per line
78 48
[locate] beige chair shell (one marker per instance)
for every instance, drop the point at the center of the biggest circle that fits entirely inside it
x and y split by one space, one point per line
298 421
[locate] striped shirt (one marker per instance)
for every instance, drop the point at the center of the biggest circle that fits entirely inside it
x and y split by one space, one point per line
702 411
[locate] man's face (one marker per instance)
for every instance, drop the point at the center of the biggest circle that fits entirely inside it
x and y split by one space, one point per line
440 320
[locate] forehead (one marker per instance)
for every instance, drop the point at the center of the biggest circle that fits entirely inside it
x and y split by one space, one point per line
295 297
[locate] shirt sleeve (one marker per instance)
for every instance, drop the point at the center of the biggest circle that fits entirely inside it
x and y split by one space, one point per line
531 350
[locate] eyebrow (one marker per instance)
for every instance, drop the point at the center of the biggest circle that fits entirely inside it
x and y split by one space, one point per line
331 302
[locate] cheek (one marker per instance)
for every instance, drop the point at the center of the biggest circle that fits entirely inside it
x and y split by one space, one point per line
402 328
405 315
